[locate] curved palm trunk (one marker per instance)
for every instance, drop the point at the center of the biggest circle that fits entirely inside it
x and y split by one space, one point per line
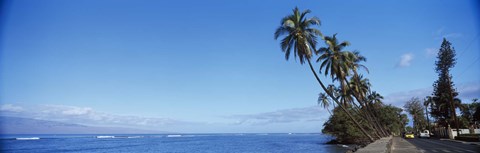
371 111
379 128
369 114
361 112
382 126
368 118
338 103
329 112
453 108
374 115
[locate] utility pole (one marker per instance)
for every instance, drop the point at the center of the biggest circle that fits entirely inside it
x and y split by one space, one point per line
452 104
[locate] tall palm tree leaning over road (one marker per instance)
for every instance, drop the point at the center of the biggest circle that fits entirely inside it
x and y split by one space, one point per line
301 37
340 63
334 60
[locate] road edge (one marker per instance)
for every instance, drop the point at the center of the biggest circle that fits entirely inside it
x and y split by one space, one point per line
464 142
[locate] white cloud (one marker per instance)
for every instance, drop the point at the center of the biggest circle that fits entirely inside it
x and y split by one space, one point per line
405 60
440 34
399 98
467 91
451 35
440 31
80 111
431 52
307 119
306 114
87 116
69 110
10 108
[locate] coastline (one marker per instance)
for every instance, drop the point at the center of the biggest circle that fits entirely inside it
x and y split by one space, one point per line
381 145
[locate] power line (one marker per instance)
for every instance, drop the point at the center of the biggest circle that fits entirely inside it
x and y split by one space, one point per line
468 46
478 58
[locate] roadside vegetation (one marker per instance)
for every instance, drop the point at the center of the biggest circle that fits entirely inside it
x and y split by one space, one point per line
440 109
443 104
470 117
417 110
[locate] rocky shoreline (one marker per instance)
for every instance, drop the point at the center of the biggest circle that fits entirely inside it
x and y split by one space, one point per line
351 147
380 145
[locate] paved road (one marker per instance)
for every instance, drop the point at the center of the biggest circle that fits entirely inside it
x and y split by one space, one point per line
439 146
400 145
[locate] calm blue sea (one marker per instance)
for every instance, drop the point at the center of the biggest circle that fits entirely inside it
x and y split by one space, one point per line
251 143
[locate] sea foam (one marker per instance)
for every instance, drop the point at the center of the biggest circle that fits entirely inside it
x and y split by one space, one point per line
32 138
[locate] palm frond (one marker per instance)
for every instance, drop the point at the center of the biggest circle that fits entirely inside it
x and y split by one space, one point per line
304 13
281 30
311 22
300 36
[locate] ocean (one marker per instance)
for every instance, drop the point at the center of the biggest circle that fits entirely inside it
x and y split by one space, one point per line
173 143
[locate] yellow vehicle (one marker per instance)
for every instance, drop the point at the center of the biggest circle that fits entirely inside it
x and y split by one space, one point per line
409 135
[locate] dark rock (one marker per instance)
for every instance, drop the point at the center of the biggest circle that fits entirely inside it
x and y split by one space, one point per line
333 141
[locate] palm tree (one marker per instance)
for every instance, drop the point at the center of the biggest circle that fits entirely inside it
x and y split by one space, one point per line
374 101
360 87
302 39
356 59
299 35
476 115
452 105
375 97
469 110
345 97
428 102
332 89
334 60
338 63
324 101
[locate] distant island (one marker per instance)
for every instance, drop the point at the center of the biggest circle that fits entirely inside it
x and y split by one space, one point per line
17 125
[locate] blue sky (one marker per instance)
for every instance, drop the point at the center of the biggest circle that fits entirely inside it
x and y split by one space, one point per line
213 66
